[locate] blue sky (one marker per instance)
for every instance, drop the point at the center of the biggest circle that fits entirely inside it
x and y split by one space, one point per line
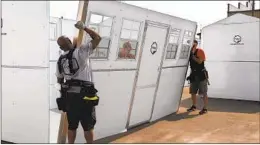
203 12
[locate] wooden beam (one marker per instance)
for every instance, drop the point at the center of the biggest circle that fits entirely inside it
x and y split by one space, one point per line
81 16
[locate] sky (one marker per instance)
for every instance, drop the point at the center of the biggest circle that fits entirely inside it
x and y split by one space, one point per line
203 12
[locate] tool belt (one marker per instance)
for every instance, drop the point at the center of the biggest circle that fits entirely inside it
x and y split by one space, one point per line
62 100
87 91
201 75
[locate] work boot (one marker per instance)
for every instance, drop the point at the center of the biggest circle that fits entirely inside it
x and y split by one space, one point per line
192 108
203 111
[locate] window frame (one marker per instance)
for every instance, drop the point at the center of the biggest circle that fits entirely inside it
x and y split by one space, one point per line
173 44
137 40
183 55
105 37
55 32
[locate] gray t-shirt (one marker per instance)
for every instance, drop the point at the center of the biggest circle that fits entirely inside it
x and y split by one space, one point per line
81 59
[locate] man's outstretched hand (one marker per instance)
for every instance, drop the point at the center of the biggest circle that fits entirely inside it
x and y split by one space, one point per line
80 25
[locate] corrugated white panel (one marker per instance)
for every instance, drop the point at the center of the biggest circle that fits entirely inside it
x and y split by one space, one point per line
234 80
25 114
26 25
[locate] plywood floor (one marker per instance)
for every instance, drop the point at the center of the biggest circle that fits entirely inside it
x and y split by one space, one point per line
228 121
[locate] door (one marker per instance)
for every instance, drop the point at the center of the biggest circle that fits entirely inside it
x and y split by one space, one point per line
150 66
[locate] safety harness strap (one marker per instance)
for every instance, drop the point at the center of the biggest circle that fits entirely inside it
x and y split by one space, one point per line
69 57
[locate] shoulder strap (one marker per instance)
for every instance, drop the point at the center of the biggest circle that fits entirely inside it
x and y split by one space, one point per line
69 57
59 63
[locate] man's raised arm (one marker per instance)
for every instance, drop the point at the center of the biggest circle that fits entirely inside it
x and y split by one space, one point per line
200 56
95 37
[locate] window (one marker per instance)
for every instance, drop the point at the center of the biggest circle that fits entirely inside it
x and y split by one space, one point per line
186 45
53 31
102 25
172 46
128 42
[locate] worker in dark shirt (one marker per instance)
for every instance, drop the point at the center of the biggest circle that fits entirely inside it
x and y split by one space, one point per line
198 77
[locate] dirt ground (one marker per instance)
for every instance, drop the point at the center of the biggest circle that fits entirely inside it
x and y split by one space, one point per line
228 121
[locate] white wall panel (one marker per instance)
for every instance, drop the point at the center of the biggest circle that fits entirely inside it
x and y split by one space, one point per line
54 126
54 51
55 24
25 106
54 93
53 78
169 92
218 40
68 28
1 69
234 80
142 106
112 111
20 19
25 56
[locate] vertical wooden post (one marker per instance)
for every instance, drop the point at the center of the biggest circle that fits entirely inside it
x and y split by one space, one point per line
253 8
81 16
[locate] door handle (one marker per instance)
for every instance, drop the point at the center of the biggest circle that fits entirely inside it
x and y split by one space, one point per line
3 33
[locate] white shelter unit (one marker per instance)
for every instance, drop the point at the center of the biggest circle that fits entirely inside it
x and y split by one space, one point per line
232 50
135 87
